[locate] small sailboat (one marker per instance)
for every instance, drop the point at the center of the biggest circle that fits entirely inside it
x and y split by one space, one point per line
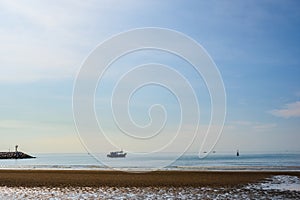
237 153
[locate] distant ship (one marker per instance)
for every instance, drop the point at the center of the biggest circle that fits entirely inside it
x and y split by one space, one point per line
117 154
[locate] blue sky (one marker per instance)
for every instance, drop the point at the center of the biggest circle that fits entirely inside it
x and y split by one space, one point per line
255 45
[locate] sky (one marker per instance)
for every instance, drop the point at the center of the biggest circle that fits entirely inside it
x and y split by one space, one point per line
254 44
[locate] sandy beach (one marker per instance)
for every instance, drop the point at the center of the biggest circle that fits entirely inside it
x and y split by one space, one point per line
88 178
87 184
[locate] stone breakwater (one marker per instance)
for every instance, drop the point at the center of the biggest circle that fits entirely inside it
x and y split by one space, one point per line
14 155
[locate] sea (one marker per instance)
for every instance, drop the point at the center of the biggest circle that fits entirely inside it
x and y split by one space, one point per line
133 162
276 187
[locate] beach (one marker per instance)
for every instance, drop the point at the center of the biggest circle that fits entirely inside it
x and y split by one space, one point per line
94 178
102 184
218 176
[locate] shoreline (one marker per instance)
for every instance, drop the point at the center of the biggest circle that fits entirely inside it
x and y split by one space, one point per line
97 178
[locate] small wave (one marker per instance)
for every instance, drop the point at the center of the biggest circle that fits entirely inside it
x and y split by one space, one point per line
279 182
239 168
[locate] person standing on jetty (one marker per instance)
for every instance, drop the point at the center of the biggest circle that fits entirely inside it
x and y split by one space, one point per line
16 150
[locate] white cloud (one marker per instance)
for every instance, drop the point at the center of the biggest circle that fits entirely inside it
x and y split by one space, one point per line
31 59
252 125
46 40
242 123
47 14
36 42
39 136
29 126
264 127
289 110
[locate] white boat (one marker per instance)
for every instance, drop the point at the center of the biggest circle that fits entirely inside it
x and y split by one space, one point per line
117 154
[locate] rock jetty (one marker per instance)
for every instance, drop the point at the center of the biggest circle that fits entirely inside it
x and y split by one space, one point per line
14 155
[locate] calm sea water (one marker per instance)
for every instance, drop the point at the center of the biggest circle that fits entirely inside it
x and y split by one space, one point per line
217 161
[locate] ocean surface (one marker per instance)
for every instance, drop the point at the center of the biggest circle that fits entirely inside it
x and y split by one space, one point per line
214 161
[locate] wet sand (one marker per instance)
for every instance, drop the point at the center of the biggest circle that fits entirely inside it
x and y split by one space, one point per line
87 178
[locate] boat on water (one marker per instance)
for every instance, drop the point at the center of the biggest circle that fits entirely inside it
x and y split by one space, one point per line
117 154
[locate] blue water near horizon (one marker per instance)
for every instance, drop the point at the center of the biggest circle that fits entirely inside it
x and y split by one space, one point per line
190 161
